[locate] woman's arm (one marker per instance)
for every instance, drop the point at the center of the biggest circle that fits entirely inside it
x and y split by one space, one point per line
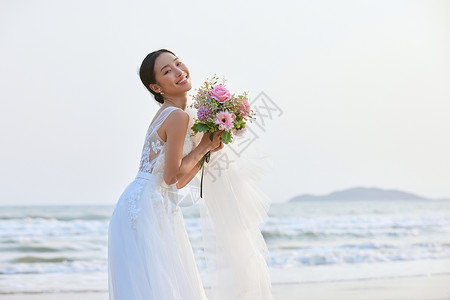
176 166
184 179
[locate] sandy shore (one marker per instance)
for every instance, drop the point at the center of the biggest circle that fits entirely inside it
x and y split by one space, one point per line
436 287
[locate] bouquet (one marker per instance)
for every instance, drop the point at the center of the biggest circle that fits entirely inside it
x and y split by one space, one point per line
218 109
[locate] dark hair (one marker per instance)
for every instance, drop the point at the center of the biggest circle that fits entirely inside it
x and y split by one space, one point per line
147 72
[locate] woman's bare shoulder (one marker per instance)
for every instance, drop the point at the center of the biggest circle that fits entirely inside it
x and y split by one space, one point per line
177 120
178 115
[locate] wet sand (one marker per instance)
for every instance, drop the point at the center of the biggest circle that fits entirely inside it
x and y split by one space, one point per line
435 287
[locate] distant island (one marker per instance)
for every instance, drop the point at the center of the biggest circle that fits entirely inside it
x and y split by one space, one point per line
362 193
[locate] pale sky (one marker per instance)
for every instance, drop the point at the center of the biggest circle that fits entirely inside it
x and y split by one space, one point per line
364 87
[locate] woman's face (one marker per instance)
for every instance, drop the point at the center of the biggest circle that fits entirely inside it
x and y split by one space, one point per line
172 75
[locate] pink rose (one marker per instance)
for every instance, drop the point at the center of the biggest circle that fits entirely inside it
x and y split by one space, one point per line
244 108
220 93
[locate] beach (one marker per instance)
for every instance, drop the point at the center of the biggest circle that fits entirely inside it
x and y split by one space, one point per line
435 287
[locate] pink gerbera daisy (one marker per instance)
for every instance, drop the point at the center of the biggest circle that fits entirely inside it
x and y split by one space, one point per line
224 120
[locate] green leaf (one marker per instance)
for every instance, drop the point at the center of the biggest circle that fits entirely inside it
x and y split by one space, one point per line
199 127
239 124
213 127
202 161
226 137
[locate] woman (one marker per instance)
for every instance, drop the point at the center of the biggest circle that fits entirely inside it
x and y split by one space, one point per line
149 253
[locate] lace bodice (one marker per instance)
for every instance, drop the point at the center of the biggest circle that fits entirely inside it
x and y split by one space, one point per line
153 151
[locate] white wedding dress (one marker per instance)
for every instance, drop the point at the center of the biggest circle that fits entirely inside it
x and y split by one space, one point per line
149 253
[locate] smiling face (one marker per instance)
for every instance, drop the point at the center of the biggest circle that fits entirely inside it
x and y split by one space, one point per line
172 76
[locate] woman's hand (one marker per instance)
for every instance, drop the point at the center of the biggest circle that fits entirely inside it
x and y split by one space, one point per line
214 145
219 147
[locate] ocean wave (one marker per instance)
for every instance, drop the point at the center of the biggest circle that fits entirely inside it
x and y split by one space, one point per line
53 218
34 259
27 248
61 265
73 240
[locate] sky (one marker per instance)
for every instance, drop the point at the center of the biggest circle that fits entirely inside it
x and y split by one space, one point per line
362 89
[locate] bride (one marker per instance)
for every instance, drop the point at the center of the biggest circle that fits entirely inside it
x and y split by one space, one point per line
149 252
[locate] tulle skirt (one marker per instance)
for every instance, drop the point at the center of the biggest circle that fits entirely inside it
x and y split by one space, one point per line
233 211
149 253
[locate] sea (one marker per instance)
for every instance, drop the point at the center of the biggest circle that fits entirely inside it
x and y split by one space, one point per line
48 249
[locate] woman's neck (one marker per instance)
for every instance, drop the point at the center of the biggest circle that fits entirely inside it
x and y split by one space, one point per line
180 101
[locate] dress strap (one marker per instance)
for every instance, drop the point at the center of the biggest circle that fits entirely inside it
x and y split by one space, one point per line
163 116
166 112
